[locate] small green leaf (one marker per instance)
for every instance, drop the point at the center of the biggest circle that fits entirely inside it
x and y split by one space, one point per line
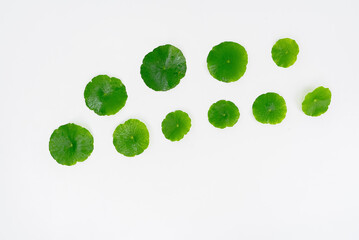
317 102
227 62
70 144
176 125
163 68
131 138
285 52
223 114
105 95
269 108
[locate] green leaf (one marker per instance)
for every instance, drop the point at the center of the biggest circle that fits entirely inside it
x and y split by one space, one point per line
176 125
269 108
284 52
223 114
105 95
227 62
163 68
70 144
317 102
131 138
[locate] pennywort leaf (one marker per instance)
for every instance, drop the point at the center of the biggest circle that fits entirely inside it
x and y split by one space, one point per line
285 52
163 68
223 114
176 125
70 144
317 102
269 108
105 95
131 138
227 61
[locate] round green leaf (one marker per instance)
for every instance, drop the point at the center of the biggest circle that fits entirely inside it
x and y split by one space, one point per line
70 144
176 125
163 68
284 52
317 102
105 95
131 138
269 108
223 114
227 62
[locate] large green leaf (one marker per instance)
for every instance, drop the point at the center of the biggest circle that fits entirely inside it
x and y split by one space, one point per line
163 68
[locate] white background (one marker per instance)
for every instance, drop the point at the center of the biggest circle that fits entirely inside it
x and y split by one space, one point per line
293 181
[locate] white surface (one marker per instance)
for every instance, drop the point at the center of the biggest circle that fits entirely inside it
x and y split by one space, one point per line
297 180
